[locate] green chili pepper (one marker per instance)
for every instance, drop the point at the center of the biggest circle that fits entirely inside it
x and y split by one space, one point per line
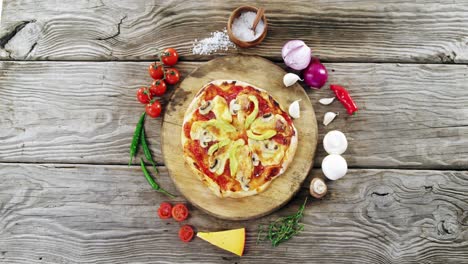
136 138
146 150
151 181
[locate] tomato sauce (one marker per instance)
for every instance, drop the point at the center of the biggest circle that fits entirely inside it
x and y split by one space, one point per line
200 155
234 91
200 117
187 127
281 139
263 106
258 170
211 91
272 172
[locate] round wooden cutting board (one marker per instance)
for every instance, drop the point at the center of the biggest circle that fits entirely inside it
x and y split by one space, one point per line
263 74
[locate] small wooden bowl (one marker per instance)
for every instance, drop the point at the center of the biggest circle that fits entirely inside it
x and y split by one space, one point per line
235 14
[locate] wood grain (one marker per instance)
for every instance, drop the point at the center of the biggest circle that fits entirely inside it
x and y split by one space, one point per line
338 31
411 116
107 214
267 76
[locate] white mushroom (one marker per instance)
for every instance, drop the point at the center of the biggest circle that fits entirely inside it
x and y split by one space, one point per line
234 107
269 146
255 159
205 138
205 107
244 183
318 188
214 165
335 142
334 167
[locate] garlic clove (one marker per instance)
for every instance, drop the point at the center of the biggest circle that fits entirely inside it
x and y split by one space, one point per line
294 109
335 142
328 117
334 167
327 101
318 188
290 79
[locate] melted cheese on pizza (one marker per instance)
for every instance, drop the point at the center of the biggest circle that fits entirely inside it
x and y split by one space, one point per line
268 151
221 109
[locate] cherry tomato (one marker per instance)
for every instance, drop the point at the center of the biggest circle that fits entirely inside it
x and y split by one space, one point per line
180 212
169 57
154 109
165 210
156 70
186 233
172 75
158 88
144 95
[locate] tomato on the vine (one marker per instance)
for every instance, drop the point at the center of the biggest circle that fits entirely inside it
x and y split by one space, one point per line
158 88
180 212
169 57
186 233
153 109
165 210
172 75
156 70
144 95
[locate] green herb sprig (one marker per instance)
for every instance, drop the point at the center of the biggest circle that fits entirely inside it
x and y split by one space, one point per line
283 228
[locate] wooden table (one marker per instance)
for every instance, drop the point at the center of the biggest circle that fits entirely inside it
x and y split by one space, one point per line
68 75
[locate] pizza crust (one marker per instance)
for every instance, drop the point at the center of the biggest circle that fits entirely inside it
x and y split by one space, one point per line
212 185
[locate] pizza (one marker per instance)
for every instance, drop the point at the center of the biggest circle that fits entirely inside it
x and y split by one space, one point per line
237 138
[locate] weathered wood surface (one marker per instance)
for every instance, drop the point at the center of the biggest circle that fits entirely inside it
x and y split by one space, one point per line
343 31
107 214
265 75
413 116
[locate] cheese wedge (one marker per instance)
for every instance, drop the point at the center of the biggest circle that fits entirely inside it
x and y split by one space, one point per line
230 240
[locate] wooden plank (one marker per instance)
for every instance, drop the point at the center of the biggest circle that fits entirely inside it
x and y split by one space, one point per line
413 116
107 214
338 31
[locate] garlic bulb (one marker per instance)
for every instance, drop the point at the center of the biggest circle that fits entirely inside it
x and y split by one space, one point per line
290 79
335 142
328 117
334 166
294 109
326 101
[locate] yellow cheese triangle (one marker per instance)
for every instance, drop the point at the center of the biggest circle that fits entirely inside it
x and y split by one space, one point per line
230 240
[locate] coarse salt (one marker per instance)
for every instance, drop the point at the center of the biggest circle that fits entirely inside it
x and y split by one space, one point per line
219 40
242 27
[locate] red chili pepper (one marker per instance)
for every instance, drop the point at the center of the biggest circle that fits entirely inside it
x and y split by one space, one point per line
344 97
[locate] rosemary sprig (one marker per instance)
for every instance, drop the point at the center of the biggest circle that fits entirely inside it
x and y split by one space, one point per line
136 138
283 228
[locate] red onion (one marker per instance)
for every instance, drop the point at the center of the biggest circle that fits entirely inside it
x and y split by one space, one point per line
315 75
296 54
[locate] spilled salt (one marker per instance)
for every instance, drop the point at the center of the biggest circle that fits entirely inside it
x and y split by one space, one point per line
219 40
242 27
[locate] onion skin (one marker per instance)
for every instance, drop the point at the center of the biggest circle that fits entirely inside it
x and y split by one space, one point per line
296 54
315 75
